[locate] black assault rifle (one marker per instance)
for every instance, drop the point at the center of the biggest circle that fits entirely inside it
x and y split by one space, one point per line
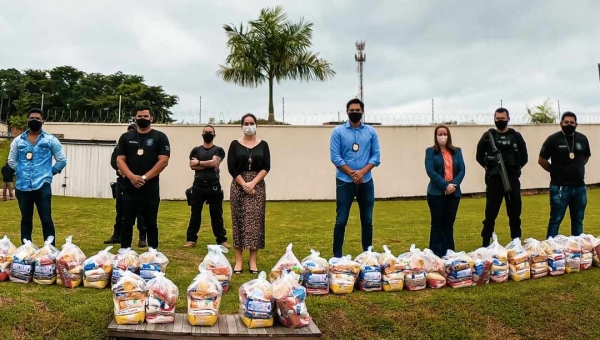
497 155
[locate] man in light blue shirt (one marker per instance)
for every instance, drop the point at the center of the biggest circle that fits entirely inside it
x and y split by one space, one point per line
354 150
31 156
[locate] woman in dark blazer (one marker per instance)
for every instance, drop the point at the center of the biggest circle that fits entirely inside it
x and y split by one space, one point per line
446 170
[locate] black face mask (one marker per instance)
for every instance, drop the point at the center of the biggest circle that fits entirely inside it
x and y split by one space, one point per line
568 129
501 124
34 125
354 116
208 137
143 123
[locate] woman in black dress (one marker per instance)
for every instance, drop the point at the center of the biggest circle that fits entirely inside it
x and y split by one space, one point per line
248 162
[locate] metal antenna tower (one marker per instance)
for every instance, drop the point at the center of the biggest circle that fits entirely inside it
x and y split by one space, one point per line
360 58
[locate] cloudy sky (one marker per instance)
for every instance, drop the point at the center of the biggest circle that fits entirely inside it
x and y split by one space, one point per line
467 55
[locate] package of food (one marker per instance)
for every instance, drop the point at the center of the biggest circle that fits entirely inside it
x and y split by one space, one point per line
434 266
538 259
369 278
287 263
415 276
482 266
162 299
126 259
129 297
392 271
97 270
342 274
556 257
152 262
44 270
459 269
587 252
595 242
204 298
500 265
7 249
21 270
289 298
572 253
518 261
315 271
216 262
256 302
69 265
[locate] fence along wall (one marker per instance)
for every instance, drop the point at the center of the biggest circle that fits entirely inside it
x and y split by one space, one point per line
300 165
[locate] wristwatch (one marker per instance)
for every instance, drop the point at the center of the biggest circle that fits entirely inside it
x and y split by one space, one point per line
144 177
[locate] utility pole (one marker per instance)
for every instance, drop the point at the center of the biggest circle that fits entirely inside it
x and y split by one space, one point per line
432 113
119 108
283 108
200 112
41 108
360 58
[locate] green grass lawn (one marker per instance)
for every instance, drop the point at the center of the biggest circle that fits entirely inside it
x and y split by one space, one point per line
560 307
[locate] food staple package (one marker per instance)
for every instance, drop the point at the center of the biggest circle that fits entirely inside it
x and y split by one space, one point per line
216 262
287 263
315 271
129 296
595 242
482 266
392 271
21 270
415 276
572 253
256 302
342 274
69 265
587 252
152 262
436 274
126 259
538 259
518 261
289 298
7 249
500 265
162 299
556 257
44 270
97 270
459 269
369 277
204 299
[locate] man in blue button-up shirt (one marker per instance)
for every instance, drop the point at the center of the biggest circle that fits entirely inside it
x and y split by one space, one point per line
31 156
354 150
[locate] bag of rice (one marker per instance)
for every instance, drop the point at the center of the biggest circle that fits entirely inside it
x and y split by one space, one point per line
162 299
44 271
204 298
97 270
315 272
21 270
369 278
256 302
392 271
69 265
129 298
500 265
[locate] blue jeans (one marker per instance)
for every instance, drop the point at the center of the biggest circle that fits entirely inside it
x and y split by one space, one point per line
344 195
42 198
562 197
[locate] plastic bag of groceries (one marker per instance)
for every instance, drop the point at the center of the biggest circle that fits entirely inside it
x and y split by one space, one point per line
97 270
162 299
415 276
288 262
256 302
126 259
482 266
436 275
538 259
69 265
152 262
556 257
315 271
587 252
392 271
44 270
518 261
595 242
342 274
289 298
216 262
7 249
21 270
572 251
369 278
500 265
129 297
459 269
204 298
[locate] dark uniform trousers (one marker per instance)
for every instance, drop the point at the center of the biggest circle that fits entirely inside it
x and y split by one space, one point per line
494 195
142 202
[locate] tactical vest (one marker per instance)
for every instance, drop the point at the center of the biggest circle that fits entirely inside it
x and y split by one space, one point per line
508 146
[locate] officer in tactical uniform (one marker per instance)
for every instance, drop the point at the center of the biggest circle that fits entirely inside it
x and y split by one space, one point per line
511 146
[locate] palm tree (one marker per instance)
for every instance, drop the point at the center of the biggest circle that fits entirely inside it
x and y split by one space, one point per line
272 48
543 113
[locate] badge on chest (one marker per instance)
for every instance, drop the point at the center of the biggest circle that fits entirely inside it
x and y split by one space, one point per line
29 155
355 147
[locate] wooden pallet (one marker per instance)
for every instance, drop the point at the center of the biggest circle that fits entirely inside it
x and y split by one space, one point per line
228 325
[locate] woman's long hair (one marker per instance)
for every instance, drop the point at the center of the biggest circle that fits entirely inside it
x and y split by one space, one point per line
436 145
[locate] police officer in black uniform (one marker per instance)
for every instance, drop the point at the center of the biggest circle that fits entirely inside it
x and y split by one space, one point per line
205 160
117 188
512 146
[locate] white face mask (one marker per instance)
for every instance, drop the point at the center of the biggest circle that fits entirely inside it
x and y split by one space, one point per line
442 140
249 129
